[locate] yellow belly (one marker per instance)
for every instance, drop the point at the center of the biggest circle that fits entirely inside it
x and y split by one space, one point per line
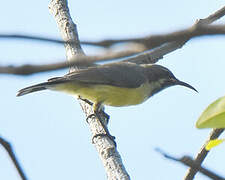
109 95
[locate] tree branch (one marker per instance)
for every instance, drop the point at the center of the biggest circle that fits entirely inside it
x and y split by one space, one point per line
153 41
188 161
174 45
201 155
157 40
78 61
151 56
107 151
9 149
149 42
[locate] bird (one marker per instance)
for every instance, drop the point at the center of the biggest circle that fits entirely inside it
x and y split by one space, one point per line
113 84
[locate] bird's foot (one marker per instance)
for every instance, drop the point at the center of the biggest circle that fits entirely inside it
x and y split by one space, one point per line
89 117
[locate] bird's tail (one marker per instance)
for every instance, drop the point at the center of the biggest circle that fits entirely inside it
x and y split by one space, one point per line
50 84
34 88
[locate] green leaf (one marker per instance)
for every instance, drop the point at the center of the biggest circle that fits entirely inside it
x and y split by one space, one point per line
213 116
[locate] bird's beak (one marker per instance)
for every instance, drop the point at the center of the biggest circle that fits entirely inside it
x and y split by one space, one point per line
178 82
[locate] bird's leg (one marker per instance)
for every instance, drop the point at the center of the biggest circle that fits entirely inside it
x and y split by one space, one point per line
97 113
91 104
103 113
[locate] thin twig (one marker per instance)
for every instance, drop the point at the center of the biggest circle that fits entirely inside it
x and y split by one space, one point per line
202 154
150 41
10 151
153 41
188 161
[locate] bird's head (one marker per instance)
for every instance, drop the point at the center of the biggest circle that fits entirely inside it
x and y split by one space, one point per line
161 78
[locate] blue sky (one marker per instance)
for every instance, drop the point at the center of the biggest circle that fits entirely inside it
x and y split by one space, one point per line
48 129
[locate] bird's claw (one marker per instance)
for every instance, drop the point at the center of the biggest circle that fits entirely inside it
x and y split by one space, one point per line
89 117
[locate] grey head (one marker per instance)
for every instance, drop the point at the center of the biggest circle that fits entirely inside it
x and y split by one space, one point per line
163 78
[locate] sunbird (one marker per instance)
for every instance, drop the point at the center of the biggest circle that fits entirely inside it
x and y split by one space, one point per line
113 84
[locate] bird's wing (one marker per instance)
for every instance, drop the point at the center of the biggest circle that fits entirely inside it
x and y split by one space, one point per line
117 74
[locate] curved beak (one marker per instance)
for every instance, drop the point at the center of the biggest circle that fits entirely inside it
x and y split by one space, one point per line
178 82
